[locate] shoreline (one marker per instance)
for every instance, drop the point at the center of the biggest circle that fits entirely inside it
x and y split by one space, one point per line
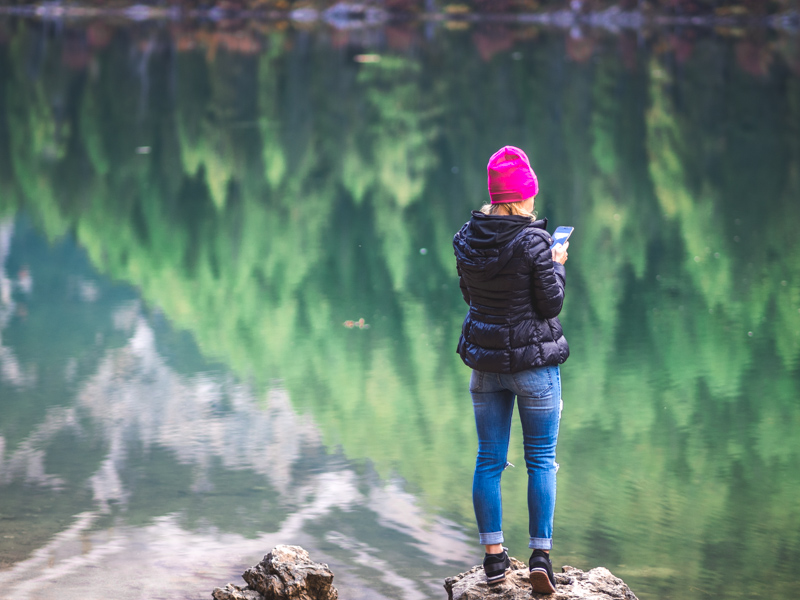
346 16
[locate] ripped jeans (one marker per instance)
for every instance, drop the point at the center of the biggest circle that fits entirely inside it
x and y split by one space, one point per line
538 394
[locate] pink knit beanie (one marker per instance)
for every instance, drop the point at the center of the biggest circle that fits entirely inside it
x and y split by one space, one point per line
511 178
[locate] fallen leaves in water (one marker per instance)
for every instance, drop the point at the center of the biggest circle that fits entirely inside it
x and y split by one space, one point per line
360 324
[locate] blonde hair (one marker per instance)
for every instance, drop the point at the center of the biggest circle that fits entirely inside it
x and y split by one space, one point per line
507 208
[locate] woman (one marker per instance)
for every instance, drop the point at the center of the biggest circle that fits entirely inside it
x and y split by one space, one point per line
512 340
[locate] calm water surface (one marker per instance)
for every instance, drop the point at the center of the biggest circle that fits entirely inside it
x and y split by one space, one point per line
228 305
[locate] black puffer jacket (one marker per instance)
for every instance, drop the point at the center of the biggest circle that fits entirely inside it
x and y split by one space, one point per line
514 290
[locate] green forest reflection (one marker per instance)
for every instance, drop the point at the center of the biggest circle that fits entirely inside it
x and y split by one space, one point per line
275 196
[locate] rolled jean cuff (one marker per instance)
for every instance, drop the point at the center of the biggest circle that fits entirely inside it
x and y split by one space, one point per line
494 537
540 543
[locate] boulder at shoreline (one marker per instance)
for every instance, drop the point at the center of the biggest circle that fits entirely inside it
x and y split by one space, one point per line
571 584
285 573
288 573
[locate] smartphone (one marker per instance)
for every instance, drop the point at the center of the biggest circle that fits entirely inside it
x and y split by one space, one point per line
561 235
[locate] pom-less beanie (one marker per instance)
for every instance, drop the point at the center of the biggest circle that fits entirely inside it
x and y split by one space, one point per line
511 178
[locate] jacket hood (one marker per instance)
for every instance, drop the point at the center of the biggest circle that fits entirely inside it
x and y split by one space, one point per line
483 245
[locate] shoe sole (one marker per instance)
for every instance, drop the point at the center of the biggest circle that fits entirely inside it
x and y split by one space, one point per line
496 579
540 582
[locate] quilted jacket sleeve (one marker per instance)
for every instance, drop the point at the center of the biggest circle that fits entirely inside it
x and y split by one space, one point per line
548 279
462 285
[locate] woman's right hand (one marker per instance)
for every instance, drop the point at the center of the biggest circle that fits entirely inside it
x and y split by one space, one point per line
560 253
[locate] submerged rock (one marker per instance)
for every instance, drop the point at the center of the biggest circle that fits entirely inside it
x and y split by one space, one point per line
571 584
285 573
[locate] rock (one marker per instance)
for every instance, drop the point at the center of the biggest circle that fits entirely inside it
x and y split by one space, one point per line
285 573
571 584
234 592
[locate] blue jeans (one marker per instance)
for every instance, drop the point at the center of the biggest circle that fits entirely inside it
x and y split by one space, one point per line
538 392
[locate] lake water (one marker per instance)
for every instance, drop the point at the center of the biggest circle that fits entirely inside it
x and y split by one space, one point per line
229 310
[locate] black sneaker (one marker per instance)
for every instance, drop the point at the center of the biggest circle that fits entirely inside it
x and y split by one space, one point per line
495 565
541 577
